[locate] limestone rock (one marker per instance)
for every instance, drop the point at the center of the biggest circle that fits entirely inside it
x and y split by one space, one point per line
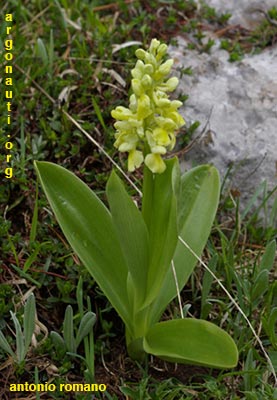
241 100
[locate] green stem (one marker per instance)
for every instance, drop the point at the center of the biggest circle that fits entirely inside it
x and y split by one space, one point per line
135 350
134 342
134 339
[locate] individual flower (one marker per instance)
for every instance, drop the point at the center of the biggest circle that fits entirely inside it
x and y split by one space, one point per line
146 130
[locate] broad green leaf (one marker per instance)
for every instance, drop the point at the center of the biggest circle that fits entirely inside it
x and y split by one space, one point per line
197 205
88 227
191 341
160 213
29 320
132 234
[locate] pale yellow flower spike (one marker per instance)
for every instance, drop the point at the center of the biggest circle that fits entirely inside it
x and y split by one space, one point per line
146 130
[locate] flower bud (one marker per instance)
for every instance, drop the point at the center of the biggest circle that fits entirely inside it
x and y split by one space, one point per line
165 68
150 59
163 102
176 104
148 69
138 71
155 44
162 49
121 113
136 86
133 103
146 81
141 54
171 84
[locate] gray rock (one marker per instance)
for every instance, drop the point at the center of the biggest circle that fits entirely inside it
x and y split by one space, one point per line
244 12
239 100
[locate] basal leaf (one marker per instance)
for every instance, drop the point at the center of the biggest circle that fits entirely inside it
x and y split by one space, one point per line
160 214
88 227
132 234
197 207
191 341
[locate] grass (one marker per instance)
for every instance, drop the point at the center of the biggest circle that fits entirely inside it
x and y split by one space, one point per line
68 73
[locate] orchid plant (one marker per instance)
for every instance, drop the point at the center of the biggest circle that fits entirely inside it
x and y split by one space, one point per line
135 255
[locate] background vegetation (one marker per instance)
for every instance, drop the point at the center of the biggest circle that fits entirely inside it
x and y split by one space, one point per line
72 63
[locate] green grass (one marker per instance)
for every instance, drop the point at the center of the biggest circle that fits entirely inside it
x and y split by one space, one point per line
66 72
